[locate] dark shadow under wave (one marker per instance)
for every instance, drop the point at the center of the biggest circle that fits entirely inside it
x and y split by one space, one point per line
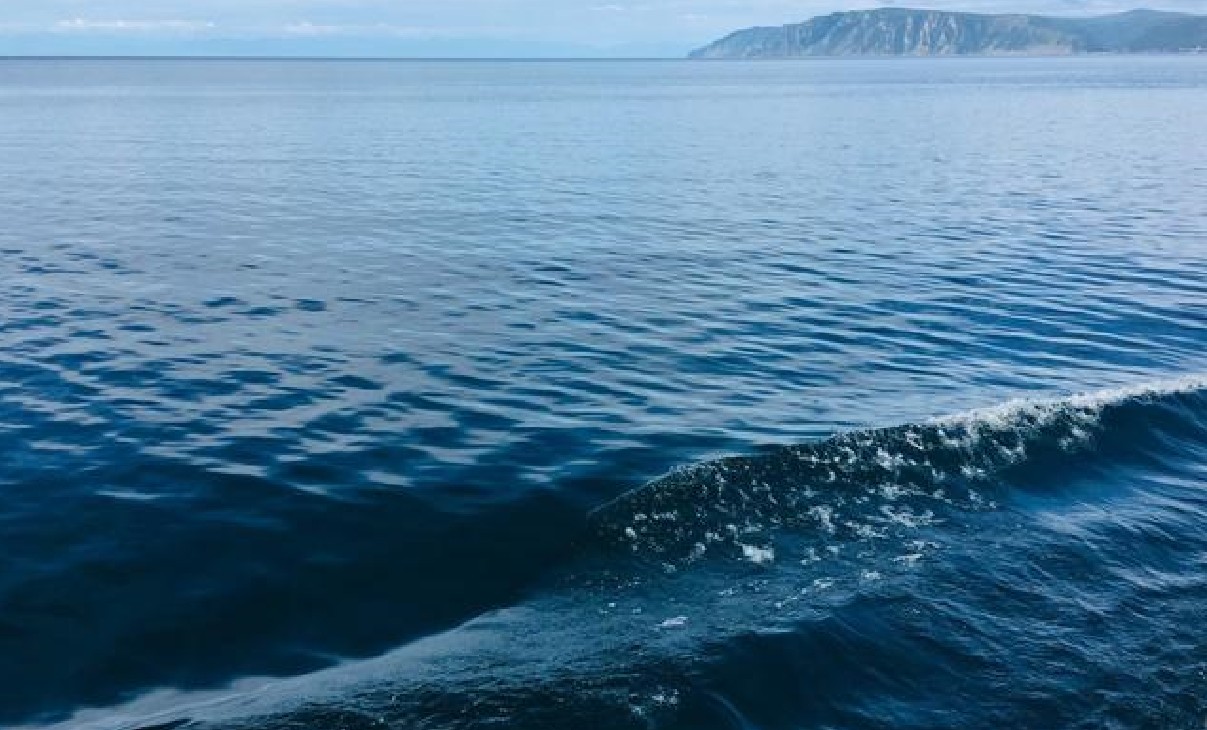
246 577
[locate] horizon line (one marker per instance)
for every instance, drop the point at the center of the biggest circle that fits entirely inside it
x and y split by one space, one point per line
580 59
207 57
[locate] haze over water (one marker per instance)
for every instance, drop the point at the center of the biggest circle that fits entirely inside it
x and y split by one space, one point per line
325 387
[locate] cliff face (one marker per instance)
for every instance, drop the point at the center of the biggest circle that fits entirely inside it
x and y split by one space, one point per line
902 32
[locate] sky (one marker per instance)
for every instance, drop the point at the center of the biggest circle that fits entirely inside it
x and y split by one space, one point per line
437 28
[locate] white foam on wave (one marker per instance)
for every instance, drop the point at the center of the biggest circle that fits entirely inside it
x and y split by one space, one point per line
1043 410
1079 415
910 477
758 555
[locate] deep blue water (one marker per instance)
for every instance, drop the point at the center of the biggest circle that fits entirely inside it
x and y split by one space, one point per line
858 394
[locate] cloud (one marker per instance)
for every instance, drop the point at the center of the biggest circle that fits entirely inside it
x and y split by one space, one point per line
85 25
307 29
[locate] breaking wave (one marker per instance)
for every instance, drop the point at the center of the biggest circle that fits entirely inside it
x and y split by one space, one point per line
872 484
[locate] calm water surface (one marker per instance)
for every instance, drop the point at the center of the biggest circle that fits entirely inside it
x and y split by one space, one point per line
359 394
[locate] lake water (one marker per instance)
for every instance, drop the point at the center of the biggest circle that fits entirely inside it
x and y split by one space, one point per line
845 394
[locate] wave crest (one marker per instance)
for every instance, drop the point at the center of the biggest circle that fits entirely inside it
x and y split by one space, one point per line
865 485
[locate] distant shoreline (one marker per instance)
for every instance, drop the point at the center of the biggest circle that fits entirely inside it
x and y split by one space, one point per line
905 32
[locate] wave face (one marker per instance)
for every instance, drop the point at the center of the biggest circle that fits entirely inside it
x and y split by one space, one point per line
926 575
867 484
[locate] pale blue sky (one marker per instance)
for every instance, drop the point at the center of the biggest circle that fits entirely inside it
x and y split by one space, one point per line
436 27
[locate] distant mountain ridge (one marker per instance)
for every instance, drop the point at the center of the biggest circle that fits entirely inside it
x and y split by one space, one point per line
906 32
